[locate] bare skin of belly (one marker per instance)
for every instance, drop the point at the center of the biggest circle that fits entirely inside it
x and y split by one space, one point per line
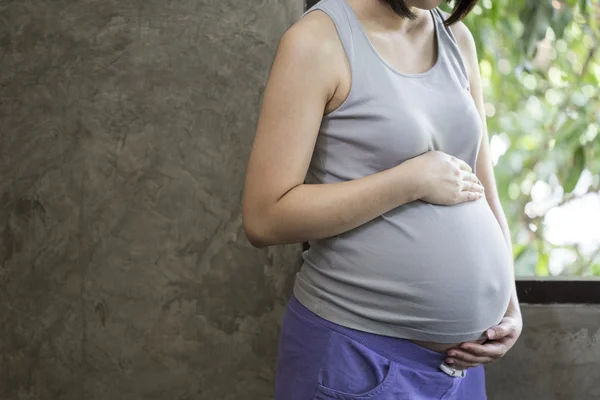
441 347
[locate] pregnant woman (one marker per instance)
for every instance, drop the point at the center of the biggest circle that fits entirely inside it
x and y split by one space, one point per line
372 146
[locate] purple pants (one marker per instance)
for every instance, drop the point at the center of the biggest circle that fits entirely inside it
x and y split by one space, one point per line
320 360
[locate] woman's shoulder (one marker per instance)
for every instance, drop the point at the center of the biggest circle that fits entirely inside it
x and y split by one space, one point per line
315 32
313 42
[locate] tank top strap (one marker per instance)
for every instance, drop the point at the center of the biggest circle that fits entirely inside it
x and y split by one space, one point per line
449 49
348 28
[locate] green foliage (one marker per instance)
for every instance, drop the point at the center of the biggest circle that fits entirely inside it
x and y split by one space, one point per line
568 177
540 67
542 265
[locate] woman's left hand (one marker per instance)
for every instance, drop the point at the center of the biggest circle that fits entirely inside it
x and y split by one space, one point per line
500 339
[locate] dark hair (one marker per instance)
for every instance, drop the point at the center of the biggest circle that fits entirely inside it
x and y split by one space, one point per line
460 10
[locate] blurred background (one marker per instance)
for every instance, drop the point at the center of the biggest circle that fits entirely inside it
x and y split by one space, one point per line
540 65
125 128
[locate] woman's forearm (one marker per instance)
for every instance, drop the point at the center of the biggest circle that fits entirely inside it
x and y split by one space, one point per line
316 211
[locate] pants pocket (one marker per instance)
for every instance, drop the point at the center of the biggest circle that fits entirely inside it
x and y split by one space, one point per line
351 371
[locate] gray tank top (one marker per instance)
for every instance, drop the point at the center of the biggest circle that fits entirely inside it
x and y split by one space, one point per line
420 271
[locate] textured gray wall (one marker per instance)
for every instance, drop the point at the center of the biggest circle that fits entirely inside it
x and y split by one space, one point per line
557 357
125 127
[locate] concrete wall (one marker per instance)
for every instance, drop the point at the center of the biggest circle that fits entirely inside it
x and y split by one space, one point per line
557 357
125 127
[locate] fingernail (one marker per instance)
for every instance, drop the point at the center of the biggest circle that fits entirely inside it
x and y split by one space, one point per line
491 334
449 362
452 354
464 346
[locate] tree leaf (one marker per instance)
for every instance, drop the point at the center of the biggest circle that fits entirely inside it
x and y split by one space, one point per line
574 172
596 269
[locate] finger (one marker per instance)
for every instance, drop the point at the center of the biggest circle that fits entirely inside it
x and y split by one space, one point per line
463 165
468 196
468 357
468 176
471 177
495 349
499 331
472 187
474 178
458 364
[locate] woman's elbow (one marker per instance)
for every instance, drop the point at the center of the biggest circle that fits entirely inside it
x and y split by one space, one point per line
254 238
254 230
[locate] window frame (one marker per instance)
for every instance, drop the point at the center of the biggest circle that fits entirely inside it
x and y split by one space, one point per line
556 290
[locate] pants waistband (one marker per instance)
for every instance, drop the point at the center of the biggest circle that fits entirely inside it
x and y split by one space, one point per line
395 349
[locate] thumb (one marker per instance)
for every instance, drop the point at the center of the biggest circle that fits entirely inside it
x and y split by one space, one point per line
498 331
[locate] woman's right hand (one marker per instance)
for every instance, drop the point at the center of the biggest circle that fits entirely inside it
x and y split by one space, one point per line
446 180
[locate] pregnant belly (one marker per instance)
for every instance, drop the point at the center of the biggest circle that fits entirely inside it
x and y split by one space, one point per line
439 270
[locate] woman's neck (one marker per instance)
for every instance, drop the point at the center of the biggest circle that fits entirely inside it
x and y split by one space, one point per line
377 13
